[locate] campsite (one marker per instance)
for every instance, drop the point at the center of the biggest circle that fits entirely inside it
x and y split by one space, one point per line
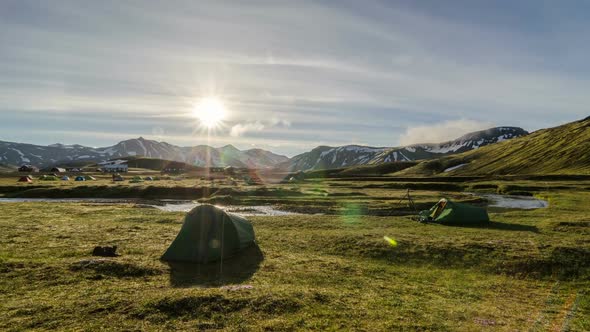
309 165
325 265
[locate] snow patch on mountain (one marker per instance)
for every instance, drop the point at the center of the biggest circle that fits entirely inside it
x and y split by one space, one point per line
324 157
54 154
450 169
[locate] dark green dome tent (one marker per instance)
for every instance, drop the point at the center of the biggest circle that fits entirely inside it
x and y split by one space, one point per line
136 179
448 212
210 234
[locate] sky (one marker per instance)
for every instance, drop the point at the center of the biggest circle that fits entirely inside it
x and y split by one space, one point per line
292 75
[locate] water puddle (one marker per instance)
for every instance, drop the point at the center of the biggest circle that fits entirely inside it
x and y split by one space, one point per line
163 205
514 202
258 210
494 201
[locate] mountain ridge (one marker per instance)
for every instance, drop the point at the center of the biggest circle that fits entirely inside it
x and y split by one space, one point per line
327 157
16 154
563 149
321 157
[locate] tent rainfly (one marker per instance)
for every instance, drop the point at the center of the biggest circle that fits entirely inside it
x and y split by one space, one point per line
65 178
448 212
80 178
25 179
136 179
210 234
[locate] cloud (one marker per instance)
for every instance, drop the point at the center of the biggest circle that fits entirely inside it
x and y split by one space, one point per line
441 132
280 122
240 129
373 65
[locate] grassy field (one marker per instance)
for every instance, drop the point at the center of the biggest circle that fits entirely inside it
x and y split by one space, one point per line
526 270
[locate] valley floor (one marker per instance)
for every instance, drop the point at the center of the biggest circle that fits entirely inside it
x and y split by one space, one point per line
527 270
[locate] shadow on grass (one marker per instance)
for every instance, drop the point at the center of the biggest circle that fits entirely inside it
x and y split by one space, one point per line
234 270
502 226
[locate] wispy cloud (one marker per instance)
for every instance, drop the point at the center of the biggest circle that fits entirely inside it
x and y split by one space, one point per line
240 129
370 67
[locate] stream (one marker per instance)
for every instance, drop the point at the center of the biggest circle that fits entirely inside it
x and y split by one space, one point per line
495 201
514 202
164 205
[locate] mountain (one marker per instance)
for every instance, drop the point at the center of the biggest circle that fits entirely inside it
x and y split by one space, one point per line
560 150
55 154
325 157
7 168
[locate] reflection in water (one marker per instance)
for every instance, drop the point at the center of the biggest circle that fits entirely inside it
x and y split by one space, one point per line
234 270
515 202
256 210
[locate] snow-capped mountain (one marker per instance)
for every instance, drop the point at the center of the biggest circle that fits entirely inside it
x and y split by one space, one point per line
325 157
44 156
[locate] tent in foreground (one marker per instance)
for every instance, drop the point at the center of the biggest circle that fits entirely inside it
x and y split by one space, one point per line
210 234
448 212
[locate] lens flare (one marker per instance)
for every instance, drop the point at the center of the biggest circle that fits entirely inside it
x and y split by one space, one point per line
391 241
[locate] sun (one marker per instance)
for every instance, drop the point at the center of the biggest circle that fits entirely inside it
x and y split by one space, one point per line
210 111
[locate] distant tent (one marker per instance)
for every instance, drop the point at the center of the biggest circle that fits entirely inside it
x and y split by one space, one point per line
136 179
210 234
448 212
25 179
89 178
80 178
118 178
48 178
28 168
65 178
149 178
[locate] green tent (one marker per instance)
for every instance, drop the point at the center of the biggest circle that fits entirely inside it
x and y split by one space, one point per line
210 234
136 179
448 212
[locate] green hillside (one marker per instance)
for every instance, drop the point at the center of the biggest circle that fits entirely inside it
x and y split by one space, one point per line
559 150
6 168
363 170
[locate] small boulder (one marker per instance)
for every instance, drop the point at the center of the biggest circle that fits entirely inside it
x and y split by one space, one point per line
106 251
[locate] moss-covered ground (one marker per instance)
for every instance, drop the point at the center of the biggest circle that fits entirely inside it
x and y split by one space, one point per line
526 270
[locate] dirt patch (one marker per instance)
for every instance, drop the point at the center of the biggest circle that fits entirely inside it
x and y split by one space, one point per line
106 267
208 306
572 226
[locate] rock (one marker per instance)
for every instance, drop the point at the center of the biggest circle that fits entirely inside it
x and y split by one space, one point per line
106 251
